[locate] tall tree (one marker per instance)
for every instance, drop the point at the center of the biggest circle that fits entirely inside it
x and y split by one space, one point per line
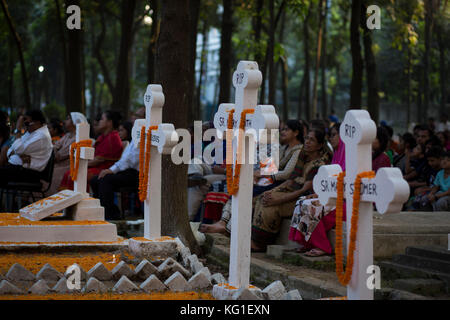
324 65
121 96
154 33
203 68
318 55
19 45
306 75
75 89
226 51
429 15
373 99
194 14
357 63
173 73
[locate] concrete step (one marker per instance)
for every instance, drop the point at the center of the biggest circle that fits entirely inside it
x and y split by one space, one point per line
426 287
394 271
422 263
433 252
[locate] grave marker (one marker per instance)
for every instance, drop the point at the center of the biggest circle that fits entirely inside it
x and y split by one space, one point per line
388 190
162 142
246 79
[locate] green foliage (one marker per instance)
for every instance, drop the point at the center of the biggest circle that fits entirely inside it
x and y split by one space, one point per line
54 110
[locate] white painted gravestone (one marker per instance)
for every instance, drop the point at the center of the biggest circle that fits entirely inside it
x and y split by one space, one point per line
388 190
162 141
246 79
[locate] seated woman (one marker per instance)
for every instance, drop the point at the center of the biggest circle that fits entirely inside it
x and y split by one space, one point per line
108 148
278 203
62 149
125 131
291 139
55 127
311 221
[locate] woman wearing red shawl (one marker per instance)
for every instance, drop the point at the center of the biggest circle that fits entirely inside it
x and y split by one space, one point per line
108 148
311 221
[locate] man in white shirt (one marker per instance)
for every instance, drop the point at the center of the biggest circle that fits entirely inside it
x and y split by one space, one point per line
122 174
29 154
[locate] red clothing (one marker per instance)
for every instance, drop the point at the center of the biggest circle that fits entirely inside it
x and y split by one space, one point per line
382 161
107 147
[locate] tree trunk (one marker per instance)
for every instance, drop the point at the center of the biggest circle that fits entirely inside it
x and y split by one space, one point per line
173 73
408 98
93 84
284 71
61 29
373 99
98 54
121 96
194 12
18 41
324 66
318 54
306 88
75 93
225 52
202 73
357 64
301 102
442 71
426 57
269 56
335 88
151 52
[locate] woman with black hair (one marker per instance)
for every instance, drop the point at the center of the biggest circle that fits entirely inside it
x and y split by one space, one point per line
278 203
55 127
125 131
379 146
108 148
291 140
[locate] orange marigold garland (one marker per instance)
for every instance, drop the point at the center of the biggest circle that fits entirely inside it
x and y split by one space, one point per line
344 277
144 161
233 180
75 159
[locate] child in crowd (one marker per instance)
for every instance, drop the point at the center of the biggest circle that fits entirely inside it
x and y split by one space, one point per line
439 195
425 180
415 163
407 141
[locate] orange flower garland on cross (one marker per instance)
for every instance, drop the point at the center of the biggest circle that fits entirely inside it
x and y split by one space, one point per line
344 277
144 161
233 181
75 159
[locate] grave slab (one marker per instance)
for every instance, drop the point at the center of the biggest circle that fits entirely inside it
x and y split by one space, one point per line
162 247
217 278
293 295
64 231
246 294
224 291
46 207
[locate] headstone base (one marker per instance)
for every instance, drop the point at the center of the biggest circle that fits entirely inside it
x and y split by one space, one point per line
73 232
163 247
88 210
224 291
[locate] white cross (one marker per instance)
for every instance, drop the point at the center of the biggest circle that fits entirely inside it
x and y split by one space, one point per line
246 79
86 154
388 190
163 139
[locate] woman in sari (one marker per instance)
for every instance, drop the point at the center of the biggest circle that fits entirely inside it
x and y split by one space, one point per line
108 148
278 203
61 149
311 221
